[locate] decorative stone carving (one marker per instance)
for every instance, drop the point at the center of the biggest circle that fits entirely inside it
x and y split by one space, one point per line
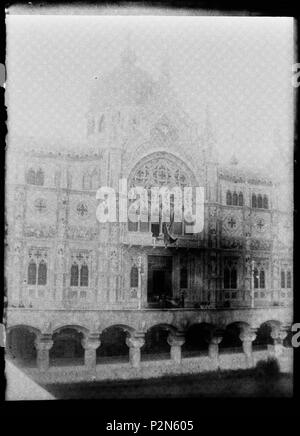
163 170
80 232
82 209
258 244
135 344
40 205
176 342
232 243
90 345
41 231
43 344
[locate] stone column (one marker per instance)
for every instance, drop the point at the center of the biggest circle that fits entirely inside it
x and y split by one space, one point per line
135 344
176 342
278 335
43 344
247 337
90 345
213 348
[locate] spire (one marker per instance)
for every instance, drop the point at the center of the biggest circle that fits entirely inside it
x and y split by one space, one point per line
208 131
209 137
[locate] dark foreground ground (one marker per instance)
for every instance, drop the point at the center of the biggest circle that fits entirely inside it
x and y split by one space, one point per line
221 384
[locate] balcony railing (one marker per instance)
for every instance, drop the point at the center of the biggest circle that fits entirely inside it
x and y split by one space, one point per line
147 239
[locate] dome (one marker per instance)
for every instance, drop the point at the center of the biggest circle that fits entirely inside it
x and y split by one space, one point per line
126 85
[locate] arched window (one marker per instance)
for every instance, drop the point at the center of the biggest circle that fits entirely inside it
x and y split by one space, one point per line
134 277
233 278
226 278
74 275
30 177
228 198
241 199
42 273
160 170
84 275
254 203
31 273
262 279
86 181
259 201
183 278
94 180
235 199
265 202
289 279
101 124
283 279
39 178
256 278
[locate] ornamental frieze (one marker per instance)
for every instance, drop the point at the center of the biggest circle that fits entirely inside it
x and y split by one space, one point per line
233 243
257 244
39 231
80 232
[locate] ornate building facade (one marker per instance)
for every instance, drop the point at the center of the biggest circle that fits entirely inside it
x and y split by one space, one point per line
67 274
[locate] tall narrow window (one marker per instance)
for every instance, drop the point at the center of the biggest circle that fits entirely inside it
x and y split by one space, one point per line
226 278
134 277
241 199
228 198
94 180
259 201
183 278
42 273
233 278
289 279
262 279
84 275
86 181
39 178
235 199
101 123
30 177
265 202
256 278
283 279
74 275
254 203
31 273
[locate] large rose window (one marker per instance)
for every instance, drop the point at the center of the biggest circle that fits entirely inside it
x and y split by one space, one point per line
156 171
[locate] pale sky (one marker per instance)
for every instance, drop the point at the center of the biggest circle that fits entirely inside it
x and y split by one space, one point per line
241 67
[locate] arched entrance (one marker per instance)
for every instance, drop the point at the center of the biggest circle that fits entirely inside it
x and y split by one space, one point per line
20 345
231 342
263 335
67 349
113 346
197 340
156 346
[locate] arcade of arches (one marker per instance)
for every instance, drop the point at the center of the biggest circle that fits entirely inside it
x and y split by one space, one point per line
75 345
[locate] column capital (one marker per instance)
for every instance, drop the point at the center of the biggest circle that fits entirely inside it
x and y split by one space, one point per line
91 343
216 339
247 336
135 341
43 343
279 334
176 340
